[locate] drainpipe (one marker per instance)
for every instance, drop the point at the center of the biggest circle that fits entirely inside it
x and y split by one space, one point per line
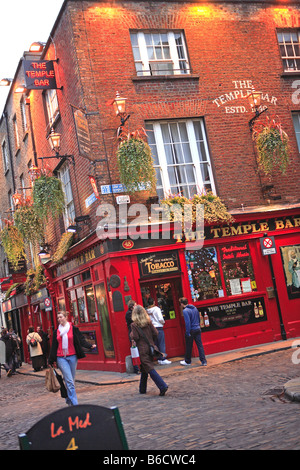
10 153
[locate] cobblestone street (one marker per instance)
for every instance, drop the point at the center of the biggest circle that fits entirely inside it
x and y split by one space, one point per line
236 405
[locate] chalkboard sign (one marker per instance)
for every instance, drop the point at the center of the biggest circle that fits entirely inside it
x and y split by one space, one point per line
80 427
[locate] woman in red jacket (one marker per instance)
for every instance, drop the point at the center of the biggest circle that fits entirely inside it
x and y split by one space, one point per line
66 349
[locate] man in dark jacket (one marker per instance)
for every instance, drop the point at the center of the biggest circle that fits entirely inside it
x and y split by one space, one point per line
192 332
10 348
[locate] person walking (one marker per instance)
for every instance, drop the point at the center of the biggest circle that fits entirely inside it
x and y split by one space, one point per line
35 350
67 347
44 344
10 348
158 321
128 318
192 332
142 330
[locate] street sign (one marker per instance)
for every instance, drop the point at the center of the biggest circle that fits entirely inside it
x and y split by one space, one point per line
48 304
267 245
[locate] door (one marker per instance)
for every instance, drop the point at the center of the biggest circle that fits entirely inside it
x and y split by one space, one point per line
166 294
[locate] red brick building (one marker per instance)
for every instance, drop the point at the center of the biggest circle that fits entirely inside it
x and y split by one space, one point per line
186 69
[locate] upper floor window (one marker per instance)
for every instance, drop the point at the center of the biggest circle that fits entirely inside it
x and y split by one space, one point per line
51 105
159 53
69 214
16 133
181 157
296 120
289 43
5 157
23 113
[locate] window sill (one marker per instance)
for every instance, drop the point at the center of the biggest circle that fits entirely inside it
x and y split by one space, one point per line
296 73
147 78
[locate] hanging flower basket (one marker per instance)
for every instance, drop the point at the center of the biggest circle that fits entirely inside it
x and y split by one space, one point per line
63 247
29 223
215 210
272 145
48 197
135 163
34 280
13 245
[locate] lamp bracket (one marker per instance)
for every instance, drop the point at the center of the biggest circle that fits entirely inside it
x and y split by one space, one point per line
257 114
60 157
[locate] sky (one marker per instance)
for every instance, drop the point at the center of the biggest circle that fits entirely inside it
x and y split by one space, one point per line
22 22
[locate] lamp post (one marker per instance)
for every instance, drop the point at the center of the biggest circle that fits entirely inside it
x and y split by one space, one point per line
254 98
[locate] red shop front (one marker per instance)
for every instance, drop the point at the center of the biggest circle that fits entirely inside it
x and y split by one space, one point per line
245 295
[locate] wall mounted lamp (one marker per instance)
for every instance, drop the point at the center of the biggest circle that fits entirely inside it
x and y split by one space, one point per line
254 98
20 89
37 47
54 142
85 219
119 105
5 81
44 254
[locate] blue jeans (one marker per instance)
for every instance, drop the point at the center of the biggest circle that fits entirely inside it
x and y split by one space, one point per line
160 343
195 335
67 365
159 382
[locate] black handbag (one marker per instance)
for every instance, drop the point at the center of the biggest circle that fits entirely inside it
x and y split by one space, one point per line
63 390
153 350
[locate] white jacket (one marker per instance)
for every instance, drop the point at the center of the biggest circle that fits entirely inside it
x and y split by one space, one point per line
156 317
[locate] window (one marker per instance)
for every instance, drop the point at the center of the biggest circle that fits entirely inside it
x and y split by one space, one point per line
23 114
296 120
5 157
206 265
22 183
82 298
69 213
51 105
289 43
159 53
16 133
181 157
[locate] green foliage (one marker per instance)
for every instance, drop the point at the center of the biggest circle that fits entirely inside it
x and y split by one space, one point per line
29 223
136 164
272 145
34 279
48 197
13 245
63 246
215 210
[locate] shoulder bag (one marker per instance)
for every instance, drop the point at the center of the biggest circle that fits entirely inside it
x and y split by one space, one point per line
153 350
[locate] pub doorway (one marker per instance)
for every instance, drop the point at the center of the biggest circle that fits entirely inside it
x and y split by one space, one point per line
166 294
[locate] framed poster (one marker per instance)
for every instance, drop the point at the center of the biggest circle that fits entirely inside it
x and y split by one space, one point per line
290 256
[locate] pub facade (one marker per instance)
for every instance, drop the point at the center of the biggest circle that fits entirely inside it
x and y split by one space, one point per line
186 74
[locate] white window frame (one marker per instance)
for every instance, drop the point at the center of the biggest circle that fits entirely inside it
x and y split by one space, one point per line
291 63
23 113
296 122
69 212
51 105
5 156
174 57
196 163
16 132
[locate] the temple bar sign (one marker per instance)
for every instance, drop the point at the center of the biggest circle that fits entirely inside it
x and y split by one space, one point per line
39 74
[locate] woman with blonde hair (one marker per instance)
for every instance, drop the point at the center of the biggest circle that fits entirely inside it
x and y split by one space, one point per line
141 331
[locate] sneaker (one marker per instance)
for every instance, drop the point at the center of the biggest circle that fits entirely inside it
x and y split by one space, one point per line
183 363
9 373
164 362
203 363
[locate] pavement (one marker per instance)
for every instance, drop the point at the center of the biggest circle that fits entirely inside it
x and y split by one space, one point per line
102 378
